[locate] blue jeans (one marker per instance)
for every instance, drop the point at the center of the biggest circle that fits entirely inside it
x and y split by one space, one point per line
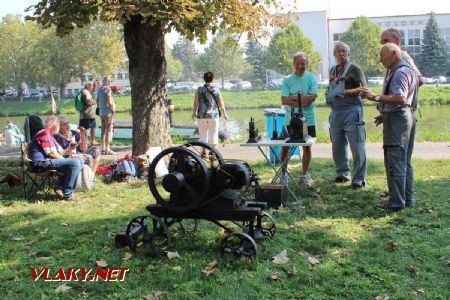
70 168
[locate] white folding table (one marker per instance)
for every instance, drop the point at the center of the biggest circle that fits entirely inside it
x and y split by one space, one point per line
283 164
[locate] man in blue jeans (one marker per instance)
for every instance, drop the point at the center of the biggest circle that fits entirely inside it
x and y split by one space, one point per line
47 154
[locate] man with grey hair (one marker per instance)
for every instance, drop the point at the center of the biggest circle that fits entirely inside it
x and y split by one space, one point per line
47 154
107 110
393 35
300 81
399 126
346 119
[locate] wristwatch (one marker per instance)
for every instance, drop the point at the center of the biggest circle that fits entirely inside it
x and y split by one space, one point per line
377 98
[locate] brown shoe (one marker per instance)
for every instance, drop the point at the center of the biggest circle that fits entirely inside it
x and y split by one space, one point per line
59 193
384 194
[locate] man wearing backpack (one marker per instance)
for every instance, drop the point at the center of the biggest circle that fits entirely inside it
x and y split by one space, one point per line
87 113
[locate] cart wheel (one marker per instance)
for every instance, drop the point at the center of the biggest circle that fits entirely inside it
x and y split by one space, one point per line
213 157
265 226
239 244
137 231
266 223
186 184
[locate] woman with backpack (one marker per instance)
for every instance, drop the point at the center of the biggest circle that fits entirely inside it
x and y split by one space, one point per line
208 107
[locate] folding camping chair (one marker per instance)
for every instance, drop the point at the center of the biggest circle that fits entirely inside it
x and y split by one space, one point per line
35 182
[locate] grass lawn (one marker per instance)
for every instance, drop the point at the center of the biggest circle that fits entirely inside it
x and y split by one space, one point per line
332 223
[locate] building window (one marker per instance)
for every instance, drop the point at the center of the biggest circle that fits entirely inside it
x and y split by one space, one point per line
69 92
335 37
446 36
119 76
76 91
90 77
414 43
402 42
126 75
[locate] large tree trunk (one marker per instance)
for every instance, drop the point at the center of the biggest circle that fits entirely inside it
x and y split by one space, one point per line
144 44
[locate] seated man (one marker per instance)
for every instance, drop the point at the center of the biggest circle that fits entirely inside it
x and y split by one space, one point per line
47 154
65 136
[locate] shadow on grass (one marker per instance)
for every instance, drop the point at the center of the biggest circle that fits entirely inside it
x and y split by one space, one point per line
347 236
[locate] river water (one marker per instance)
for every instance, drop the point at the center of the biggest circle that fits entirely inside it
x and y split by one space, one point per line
433 125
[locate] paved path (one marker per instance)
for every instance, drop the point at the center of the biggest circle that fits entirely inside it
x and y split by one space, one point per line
425 150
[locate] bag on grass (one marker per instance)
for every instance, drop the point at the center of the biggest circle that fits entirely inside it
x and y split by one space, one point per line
124 171
85 181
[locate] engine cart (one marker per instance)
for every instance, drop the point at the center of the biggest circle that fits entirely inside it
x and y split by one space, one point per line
194 182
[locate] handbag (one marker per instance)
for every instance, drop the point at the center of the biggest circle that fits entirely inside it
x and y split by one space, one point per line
85 180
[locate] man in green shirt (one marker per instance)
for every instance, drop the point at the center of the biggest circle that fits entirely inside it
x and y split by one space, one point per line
301 81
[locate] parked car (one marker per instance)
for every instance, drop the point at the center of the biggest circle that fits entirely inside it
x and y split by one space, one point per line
9 94
246 85
228 86
438 79
241 85
274 84
180 87
372 81
427 80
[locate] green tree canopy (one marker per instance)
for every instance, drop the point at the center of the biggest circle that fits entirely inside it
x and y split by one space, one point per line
174 66
433 60
97 49
363 37
17 40
224 57
145 23
284 44
184 51
256 57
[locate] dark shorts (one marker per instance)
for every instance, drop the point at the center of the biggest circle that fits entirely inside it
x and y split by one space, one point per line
311 131
88 123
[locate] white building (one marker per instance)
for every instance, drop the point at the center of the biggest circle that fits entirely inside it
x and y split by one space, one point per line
324 32
119 77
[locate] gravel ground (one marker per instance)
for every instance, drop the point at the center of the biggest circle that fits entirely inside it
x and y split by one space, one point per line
425 150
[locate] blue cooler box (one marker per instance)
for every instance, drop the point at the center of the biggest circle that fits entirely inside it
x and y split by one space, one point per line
277 114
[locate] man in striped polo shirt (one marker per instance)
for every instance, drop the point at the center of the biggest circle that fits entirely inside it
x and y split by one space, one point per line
47 154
